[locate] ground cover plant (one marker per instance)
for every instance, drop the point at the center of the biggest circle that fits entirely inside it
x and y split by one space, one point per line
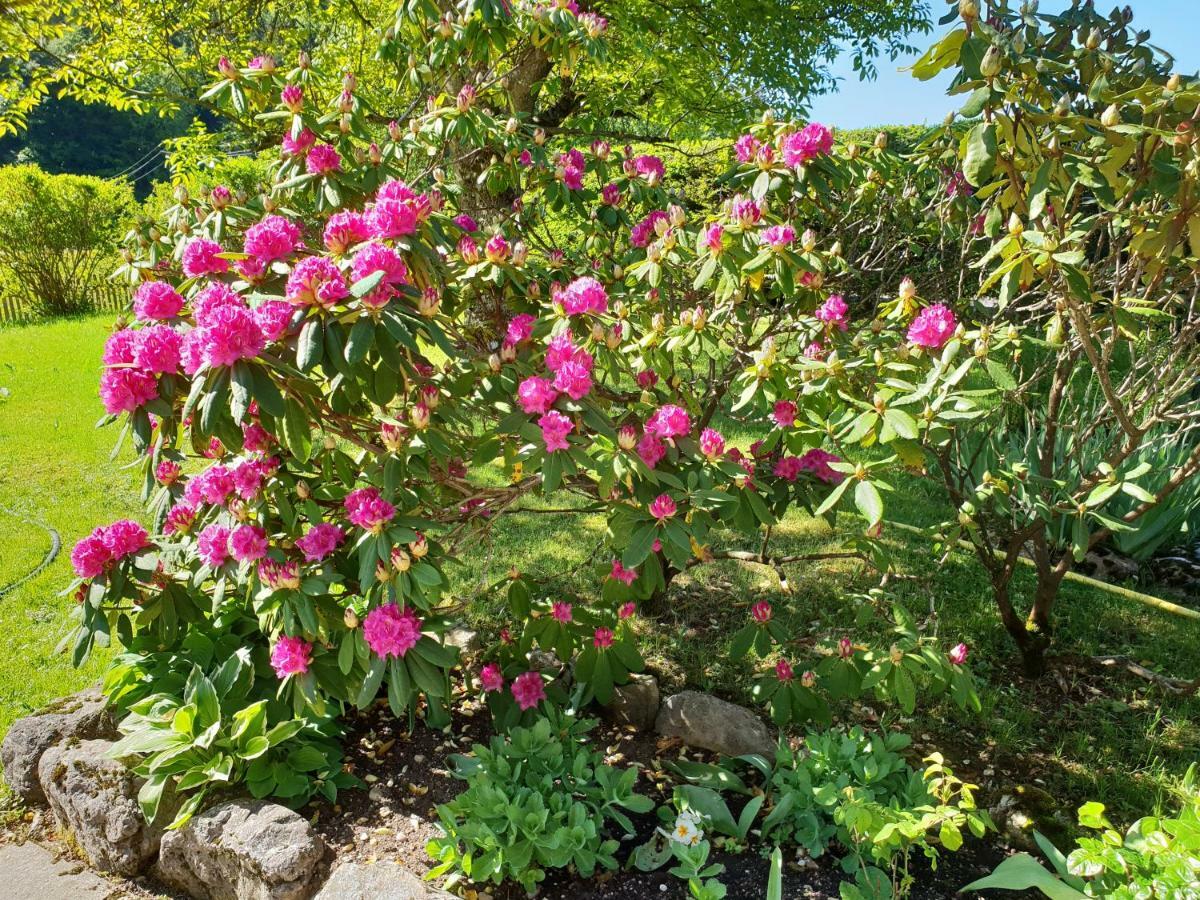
336 394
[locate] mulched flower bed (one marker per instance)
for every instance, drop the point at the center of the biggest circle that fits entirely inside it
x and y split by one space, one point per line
407 776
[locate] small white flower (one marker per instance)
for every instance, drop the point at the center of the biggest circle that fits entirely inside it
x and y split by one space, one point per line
686 830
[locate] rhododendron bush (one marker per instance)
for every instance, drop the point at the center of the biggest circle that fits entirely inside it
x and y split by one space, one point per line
337 388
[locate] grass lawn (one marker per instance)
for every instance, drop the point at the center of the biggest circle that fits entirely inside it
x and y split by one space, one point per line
1081 734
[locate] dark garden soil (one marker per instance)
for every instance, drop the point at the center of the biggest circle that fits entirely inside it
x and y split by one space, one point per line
407 776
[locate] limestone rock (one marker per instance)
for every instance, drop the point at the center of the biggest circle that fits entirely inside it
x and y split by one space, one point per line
94 801
79 717
635 703
373 881
465 639
243 850
702 720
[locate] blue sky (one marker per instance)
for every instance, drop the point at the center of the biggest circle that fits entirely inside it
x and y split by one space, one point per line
898 98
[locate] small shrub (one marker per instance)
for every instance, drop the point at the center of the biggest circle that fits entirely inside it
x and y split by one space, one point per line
58 235
535 800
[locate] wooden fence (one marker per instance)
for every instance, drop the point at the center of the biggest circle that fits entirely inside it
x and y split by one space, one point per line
108 297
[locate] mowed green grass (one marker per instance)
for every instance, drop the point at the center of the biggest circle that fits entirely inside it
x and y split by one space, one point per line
54 468
1087 733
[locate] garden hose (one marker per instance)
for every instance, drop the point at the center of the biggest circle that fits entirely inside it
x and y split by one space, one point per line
1144 599
51 554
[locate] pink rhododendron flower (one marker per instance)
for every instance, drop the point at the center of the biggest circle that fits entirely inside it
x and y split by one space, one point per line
322 159
247 543
814 351
316 281
273 238
279 575
491 678
124 538
761 612
466 223
620 573
274 318
213 545
958 655
167 472
536 395
602 638
669 422
651 449
290 656
120 347
345 229
802 147
561 611
783 670
562 350
573 379
396 211
788 468
124 390
319 541
845 648
627 610
247 479
643 232
90 556
584 295
784 413
468 249
180 519
292 96
744 212
520 329
389 631
834 312
157 349
809 678
496 249
663 507
932 327
212 486
156 300
817 462
712 443
714 238
778 237
255 438
200 258
528 690
646 379
366 509
746 147
299 145
233 334
650 167
555 428
213 297
610 194
378 258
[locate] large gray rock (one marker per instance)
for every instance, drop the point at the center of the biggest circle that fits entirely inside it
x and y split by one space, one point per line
376 881
465 640
94 801
244 850
79 717
702 720
635 703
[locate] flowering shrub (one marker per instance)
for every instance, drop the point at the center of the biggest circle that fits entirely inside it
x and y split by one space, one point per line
336 388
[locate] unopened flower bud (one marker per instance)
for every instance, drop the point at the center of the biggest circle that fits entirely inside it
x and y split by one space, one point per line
419 416
350 618
881 140
908 288
808 240
1111 117
401 561
419 547
989 66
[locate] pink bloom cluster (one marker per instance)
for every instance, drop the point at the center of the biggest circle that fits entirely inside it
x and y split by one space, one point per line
662 507
520 329
367 509
712 443
156 300
555 428
389 631
491 678
274 238
345 229
932 327
584 295
528 690
817 462
316 281
620 573
650 168
778 237
248 543
322 159
834 312
319 541
643 232
212 545
290 656
802 147
573 165
200 258
669 422
397 210
106 545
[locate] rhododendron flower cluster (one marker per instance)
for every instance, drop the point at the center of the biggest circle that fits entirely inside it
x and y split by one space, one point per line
817 462
106 545
932 327
157 300
528 690
803 146
662 507
367 509
390 631
319 541
834 312
291 656
555 428
584 295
